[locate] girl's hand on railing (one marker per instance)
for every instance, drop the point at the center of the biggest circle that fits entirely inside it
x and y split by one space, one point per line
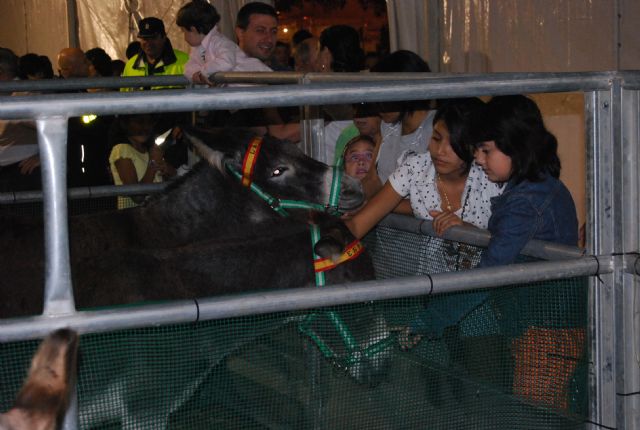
443 220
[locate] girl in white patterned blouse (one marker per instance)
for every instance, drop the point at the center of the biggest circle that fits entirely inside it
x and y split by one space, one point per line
443 185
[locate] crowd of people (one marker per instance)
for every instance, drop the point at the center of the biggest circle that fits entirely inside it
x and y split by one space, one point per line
492 165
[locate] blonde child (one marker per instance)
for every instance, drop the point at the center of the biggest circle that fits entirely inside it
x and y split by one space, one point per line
358 156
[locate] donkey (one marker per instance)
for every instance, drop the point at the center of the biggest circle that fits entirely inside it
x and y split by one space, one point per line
205 235
44 397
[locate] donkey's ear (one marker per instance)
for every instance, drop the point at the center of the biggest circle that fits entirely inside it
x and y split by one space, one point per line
214 158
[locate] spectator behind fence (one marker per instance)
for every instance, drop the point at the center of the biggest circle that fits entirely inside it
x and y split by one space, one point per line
34 66
338 51
443 184
138 160
305 55
117 67
99 63
366 122
211 51
72 63
99 66
87 137
514 147
300 36
156 56
133 48
280 61
257 30
406 125
358 156
19 159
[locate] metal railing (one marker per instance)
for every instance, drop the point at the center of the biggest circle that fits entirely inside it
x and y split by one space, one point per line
611 111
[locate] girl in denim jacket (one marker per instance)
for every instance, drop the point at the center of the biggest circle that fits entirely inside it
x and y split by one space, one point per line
515 148
548 335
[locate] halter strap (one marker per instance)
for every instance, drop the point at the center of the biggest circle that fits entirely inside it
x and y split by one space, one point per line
249 161
279 205
351 251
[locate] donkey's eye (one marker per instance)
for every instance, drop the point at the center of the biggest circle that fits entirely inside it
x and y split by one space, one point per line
279 171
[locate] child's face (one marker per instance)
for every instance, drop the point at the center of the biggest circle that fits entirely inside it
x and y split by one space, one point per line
445 160
358 159
191 36
140 129
495 163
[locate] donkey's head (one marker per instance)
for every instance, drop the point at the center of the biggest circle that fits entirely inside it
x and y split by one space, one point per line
279 168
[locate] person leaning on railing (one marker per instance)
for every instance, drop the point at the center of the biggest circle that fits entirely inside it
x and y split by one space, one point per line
515 148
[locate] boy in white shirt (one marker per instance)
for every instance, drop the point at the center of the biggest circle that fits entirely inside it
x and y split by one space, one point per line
211 51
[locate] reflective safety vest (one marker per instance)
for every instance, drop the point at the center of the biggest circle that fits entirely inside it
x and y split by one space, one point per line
138 67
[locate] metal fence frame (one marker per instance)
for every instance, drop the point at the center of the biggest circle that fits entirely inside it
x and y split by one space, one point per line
612 107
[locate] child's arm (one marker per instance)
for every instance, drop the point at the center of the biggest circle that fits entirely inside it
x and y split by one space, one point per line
376 209
193 66
404 207
128 175
219 57
511 228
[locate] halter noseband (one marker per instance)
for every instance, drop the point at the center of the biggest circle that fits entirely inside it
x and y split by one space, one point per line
277 204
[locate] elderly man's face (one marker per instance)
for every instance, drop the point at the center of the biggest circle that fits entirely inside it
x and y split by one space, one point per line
259 39
152 47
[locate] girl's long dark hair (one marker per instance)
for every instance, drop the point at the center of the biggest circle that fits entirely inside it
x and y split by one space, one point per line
456 114
516 126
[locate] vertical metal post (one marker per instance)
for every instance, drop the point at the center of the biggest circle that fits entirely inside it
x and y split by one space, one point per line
629 331
72 24
58 290
605 235
52 142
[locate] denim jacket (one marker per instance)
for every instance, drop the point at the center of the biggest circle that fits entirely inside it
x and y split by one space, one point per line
529 210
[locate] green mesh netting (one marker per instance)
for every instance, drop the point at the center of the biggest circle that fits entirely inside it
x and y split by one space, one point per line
516 361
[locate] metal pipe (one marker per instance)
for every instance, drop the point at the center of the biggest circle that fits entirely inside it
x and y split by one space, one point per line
52 144
85 192
108 103
82 84
256 77
585 81
297 299
473 236
479 237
